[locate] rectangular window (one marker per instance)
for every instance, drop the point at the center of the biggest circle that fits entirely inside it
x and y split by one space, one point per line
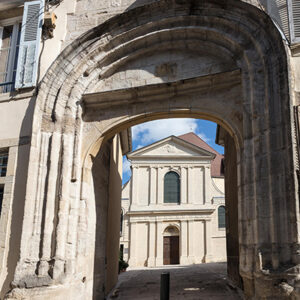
9 51
1 196
3 163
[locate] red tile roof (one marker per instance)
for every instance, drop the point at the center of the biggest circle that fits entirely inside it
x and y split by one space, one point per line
216 165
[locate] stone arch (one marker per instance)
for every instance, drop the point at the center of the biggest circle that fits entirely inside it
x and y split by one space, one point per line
171 230
256 112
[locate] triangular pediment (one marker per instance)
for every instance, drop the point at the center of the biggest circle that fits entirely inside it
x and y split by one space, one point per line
171 147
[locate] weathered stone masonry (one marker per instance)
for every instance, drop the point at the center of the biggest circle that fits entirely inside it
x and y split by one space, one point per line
226 62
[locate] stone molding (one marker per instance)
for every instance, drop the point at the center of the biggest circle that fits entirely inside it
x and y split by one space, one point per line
157 92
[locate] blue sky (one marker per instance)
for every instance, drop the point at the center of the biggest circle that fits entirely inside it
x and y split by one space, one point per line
147 133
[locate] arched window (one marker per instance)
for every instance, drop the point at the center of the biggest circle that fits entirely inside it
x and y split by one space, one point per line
221 216
172 188
121 224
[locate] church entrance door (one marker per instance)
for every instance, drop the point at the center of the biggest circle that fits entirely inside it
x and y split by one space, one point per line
171 250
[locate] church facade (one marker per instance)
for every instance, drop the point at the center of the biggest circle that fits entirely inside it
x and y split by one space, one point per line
173 206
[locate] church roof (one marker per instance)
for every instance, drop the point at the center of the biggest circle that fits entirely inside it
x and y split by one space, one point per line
217 162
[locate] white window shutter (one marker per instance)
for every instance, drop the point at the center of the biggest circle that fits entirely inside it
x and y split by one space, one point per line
29 44
279 11
294 12
1 34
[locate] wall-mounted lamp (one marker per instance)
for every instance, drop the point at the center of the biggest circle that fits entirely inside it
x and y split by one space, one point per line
49 24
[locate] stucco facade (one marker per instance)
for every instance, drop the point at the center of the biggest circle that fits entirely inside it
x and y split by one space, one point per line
147 217
113 64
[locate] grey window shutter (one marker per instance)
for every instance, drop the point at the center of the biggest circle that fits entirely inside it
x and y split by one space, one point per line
294 13
29 44
279 11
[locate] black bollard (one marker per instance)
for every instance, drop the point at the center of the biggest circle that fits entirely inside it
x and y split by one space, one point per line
165 286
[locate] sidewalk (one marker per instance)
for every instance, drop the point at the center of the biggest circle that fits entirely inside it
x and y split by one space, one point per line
203 281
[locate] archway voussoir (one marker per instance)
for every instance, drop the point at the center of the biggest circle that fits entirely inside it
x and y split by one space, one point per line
221 61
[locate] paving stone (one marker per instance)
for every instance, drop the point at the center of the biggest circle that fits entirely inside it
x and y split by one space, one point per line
203 281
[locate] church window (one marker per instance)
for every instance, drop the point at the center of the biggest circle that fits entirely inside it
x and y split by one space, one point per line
172 188
221 216
3 163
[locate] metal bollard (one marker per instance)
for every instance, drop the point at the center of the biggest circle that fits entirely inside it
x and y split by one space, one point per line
165 286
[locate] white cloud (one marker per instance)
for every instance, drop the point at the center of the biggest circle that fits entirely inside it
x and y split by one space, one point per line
204 137
149 132
156 130
126 166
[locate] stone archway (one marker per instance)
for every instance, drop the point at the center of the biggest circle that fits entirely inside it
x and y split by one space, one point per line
171 246
231 68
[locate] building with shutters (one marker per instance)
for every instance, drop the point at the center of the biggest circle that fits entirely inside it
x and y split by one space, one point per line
173 206
76 75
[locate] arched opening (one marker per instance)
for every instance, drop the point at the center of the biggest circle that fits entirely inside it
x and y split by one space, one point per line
173 250
123 73
172 188
221 216
171 246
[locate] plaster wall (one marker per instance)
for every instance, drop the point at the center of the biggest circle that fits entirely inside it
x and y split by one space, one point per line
16 118
218 184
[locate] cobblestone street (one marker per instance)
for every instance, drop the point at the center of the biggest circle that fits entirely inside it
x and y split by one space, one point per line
203 281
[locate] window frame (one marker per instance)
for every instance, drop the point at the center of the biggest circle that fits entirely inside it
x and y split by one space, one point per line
16 22
222 227
1 197
179 185
4 152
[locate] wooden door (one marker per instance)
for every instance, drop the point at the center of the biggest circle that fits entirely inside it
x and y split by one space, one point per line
171 250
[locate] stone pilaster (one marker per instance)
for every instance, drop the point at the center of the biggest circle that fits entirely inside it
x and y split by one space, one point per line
153 183
207 185
190 192
184 242
208 241
191 239
183 186
159 244
152 244
160 186
132 242
134 186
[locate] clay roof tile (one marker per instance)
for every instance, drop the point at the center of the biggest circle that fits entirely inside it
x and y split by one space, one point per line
217 164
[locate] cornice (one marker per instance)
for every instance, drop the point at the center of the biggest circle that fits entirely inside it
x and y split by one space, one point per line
172 212
158 92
